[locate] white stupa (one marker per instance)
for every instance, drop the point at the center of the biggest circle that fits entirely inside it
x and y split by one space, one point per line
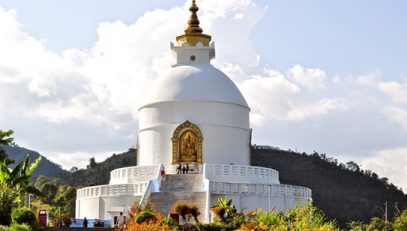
196 116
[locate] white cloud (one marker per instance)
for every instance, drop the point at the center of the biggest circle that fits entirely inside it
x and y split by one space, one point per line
274 96
268 96
396 90
79 159
234 72
89 98
336 79
369 79
311 78
397 114
230 23
390 163
315 109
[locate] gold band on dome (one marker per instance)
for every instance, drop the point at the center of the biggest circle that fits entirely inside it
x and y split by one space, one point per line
193 33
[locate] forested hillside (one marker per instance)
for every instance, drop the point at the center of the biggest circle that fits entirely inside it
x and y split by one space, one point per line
343 192
47 167
99 173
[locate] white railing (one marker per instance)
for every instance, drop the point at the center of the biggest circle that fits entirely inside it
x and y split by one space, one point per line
240 173
260 189
152 186
134 174
206 188
112 190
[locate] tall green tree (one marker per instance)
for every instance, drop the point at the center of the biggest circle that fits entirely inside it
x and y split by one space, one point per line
58 197
5 139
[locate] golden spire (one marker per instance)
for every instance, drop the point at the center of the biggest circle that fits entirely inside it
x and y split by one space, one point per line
193 33
193 22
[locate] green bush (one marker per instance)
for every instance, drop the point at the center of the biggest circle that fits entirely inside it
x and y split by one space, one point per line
23 215
18 227
400 223
7 203
145 216
170 223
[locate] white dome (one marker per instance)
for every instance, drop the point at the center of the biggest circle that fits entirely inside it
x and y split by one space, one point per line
200 82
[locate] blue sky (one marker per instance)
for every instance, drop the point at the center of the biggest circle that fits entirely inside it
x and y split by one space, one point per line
329 76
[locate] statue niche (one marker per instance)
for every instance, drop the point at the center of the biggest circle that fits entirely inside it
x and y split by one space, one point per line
187 144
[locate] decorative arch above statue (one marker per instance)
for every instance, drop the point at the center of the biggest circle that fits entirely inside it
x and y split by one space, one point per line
187 144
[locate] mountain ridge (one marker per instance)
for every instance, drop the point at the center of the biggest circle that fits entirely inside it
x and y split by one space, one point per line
46 167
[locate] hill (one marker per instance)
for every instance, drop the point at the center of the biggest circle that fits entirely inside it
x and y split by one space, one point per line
343 192
47 167
99 173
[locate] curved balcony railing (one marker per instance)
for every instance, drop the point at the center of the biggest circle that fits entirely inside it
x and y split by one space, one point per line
112 190
260 189
240 173
132 175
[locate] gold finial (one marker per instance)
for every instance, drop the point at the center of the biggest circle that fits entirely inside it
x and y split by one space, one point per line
193 33
193 22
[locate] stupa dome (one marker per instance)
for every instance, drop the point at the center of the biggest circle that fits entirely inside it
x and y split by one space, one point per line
200 82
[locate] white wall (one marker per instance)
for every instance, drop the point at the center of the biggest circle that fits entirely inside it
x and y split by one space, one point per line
224 126
98 207
89 208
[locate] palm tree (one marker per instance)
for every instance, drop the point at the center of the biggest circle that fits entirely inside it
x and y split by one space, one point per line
19 177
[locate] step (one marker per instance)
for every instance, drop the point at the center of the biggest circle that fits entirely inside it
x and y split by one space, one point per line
182 183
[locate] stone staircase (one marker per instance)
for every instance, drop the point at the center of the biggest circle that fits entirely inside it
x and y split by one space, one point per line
182 183
183 187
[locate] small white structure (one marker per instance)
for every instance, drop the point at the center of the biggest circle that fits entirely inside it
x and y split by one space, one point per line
196 116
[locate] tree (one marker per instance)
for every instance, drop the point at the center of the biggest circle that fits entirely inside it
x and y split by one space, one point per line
92 163
352 166
19 177
73 169
5 139
56 196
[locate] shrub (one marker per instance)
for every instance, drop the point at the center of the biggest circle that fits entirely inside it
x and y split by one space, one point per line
145 216
170 223
186 211
224 210
194 211
400 223
7 203
18 227
305 217
182 208
23 215
147 227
